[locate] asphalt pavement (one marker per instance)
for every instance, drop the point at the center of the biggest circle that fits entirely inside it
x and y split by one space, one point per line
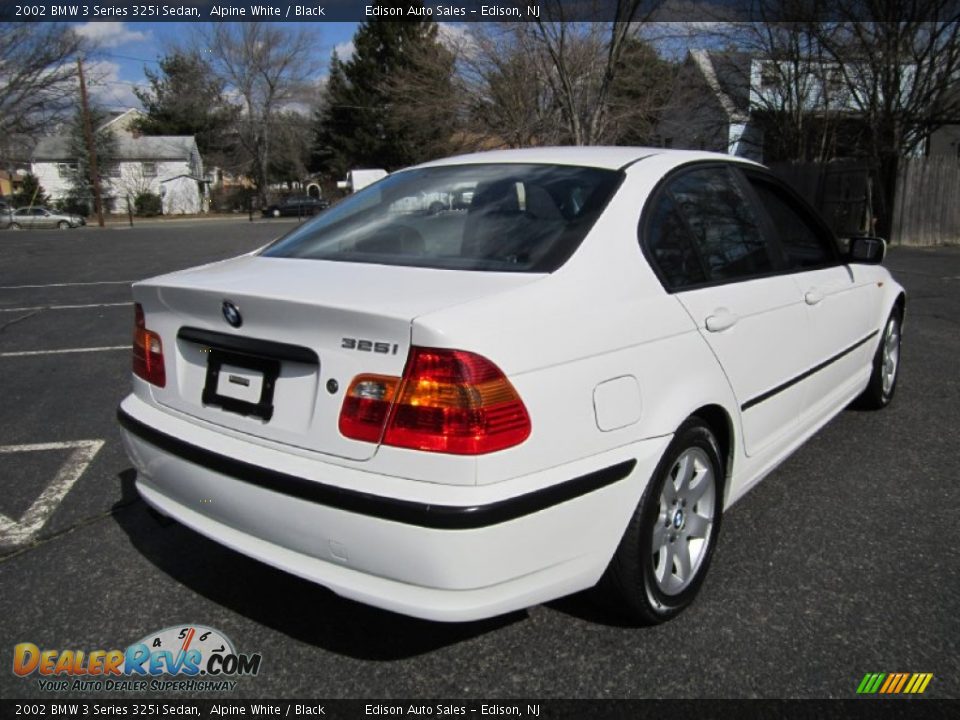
843 561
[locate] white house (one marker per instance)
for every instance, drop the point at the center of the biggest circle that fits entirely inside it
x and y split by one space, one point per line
167 166
720 97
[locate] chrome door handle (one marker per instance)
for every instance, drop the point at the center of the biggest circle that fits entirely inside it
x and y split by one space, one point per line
721 320
813 296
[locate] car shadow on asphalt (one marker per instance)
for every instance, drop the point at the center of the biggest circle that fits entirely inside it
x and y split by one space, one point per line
300 609
582 606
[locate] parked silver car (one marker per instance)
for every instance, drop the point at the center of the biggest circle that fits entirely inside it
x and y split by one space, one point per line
32 218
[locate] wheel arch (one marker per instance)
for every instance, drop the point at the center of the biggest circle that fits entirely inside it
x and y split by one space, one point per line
721 425
901 304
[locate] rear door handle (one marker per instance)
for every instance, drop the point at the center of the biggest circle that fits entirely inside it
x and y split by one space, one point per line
813 296
721 320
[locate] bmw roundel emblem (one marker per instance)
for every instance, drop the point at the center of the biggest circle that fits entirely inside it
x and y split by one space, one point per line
232 314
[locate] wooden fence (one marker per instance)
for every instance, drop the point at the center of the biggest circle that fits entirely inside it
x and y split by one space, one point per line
926 209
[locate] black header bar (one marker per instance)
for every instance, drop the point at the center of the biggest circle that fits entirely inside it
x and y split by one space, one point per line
465 11
57 706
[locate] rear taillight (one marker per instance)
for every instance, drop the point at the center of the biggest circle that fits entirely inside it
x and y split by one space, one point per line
147 351
447 401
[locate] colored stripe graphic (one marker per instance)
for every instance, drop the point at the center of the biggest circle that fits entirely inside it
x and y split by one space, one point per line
900 682
891 679
894 683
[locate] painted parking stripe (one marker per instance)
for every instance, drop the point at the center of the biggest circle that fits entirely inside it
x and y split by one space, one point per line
64 307
63 351
74 284
18 532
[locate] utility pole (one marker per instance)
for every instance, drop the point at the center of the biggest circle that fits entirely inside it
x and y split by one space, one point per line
91 148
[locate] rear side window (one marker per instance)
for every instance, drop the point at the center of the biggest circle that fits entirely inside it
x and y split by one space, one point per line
725 229
671 245
702 229
503 217
804 244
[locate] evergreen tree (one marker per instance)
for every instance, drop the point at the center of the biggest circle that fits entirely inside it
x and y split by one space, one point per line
31 192
379 107
80 194
639 92
185 97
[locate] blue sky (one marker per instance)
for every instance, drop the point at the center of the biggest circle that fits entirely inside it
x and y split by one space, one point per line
127 47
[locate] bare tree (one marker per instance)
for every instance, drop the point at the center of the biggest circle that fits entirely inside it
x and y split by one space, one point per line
901 75
581 57
292 133
266 66
560 81
38 74
793 96
507 100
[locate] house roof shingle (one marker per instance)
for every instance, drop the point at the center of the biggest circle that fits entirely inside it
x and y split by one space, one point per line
156 147
728 76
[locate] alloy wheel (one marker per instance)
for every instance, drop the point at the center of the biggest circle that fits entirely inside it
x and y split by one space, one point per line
686 512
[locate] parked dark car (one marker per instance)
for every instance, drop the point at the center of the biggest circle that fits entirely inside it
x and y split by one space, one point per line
296 206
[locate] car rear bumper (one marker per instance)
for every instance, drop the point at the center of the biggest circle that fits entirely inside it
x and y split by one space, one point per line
450 553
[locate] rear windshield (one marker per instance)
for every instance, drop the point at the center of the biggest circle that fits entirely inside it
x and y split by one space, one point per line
520 218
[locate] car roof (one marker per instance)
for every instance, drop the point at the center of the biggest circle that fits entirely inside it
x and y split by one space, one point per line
602 156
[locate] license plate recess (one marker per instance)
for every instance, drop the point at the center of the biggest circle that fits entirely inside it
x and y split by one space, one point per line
215 390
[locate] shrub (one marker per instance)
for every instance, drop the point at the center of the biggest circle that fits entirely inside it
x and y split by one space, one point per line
147 204
73 205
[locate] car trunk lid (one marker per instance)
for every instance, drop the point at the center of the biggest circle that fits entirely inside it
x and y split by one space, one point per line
306 329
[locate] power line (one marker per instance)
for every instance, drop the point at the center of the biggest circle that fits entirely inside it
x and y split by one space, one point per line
126 57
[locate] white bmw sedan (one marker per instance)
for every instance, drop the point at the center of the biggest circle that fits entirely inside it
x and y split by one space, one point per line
493 380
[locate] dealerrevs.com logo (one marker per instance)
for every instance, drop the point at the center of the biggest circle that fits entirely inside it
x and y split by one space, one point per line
203 658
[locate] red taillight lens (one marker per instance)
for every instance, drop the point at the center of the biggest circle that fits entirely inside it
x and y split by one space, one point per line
367 406
448 401
147 351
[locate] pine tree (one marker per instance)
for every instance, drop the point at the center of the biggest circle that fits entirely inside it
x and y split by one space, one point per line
80 194
379 107
186 98
31 192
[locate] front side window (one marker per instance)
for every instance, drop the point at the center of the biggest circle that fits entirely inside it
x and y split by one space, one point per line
149 169
66 169
497 217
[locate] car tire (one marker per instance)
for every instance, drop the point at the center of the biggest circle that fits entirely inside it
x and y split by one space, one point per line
646 582
276 212
63 225
886 366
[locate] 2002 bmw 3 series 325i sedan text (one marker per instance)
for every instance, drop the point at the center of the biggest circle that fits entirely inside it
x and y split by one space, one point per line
492 380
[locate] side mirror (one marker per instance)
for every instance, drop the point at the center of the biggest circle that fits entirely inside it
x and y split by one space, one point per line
867 250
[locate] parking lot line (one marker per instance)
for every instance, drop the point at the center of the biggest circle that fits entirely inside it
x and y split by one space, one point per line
63 351
75 284
20 531
65 307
